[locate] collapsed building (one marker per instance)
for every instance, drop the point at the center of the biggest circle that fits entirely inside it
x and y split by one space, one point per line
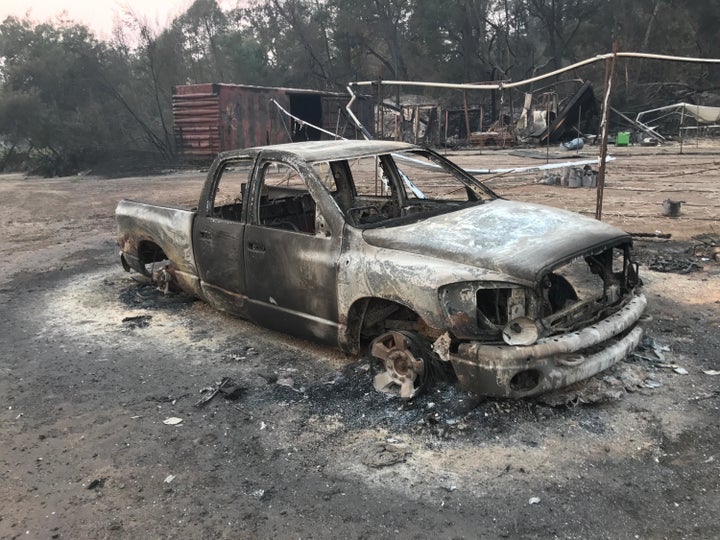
546 115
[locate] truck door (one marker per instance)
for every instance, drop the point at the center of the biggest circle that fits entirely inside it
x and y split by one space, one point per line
218 234
291 252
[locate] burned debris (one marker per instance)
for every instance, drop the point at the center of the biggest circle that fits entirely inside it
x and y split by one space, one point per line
227 387
678 258
549 119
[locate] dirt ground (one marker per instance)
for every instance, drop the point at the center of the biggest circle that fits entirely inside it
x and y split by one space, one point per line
93 363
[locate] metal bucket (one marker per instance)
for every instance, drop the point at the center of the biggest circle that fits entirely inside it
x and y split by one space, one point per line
671 208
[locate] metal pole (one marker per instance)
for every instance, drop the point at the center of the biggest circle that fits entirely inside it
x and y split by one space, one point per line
609 70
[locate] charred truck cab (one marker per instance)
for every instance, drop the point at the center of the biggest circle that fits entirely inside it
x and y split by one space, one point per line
391 248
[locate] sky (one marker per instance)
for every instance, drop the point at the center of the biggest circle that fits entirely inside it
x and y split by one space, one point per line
99 15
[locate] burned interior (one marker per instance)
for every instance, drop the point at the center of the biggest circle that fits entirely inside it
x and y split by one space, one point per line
392 189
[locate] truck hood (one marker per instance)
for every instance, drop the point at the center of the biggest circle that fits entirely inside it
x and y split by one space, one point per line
519 239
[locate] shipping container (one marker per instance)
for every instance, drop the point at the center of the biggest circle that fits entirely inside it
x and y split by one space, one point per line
211 118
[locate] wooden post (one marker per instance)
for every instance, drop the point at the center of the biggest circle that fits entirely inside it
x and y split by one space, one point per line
447 118
609 71
547 124
680 132
467 117
417 124
376 91
512 107
577 148
381 109
378 184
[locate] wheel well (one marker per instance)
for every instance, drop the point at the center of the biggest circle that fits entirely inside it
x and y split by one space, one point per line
371 317
150 252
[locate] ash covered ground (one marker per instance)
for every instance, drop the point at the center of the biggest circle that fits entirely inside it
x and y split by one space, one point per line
93 364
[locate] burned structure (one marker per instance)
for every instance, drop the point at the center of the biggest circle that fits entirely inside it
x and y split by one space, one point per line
492 118
544 116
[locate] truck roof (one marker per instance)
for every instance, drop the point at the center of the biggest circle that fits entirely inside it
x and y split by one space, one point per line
312 151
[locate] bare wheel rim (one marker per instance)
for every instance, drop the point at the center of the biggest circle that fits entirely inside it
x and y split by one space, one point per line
402 371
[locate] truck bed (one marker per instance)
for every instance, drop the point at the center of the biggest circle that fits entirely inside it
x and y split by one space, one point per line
152 232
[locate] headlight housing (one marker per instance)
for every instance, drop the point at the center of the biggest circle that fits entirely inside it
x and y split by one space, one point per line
482 310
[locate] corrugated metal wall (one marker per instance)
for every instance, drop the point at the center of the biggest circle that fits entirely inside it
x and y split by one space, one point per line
196 118
247 116
211 118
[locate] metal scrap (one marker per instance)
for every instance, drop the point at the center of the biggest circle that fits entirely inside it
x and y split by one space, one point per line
651 351
226 386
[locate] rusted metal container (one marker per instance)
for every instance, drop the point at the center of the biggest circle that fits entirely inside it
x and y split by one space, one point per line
210 118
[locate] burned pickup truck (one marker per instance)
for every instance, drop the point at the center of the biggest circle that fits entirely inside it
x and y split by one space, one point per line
391 248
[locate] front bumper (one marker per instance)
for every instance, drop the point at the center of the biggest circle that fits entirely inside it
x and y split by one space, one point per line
551 363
